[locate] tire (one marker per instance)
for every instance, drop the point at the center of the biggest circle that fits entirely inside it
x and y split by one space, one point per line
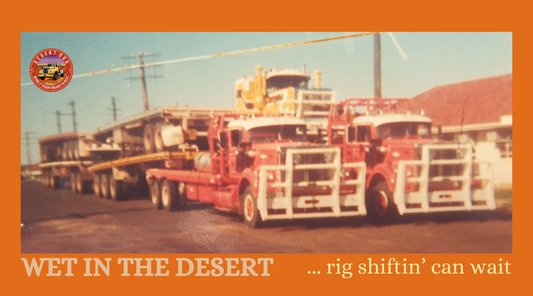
44 179
42 78
65 151
75 150
116 190
155 194
250 213
80 184
380 204
158 137
104 186
170 197
55 76
148 138
74 182
96 185
54 182
70 151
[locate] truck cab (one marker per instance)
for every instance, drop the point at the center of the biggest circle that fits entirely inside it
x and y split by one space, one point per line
265 168
52 70
407 170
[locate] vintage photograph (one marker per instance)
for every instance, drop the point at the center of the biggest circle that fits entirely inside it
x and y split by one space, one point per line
266 142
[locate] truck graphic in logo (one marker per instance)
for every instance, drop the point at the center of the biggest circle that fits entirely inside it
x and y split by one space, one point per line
51 70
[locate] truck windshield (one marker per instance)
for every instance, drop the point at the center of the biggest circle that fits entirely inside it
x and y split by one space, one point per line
266 134
400 130
279 82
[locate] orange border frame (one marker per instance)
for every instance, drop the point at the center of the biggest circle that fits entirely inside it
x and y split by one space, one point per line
289 274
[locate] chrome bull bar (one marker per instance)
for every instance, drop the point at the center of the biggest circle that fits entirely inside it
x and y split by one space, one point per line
461 198
283 205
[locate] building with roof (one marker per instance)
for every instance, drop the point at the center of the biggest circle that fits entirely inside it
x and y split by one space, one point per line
477 111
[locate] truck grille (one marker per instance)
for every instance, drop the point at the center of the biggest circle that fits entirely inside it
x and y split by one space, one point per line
45 70
308 175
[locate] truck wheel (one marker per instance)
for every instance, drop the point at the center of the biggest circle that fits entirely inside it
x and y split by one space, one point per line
96 185
158 137
169 196
104 185
148 137
249 209
116 189
74 182
55 76
380 204
155 194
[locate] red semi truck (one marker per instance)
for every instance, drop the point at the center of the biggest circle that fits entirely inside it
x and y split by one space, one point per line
407 171
264 168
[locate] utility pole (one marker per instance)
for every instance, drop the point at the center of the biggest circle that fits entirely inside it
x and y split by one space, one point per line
73 114
377 66
58 121
143 76
114 108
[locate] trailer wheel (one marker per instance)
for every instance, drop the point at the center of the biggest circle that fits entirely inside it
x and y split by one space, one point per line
81 185
74 182
96 185
248 204
169 196
65 151
70 151
155 193
54 182
44 179
380 204
148 137
104 185
116 190
75 150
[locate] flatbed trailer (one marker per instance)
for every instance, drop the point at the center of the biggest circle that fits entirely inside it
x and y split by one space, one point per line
116 179
64 158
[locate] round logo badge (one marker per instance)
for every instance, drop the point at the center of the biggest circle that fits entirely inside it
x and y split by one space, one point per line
51 70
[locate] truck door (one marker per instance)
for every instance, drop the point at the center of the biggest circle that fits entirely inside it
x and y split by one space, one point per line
358 141
236 137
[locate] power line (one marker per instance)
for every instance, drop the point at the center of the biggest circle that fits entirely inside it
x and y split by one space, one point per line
217 55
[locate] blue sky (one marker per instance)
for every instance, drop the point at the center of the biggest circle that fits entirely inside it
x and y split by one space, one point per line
347 65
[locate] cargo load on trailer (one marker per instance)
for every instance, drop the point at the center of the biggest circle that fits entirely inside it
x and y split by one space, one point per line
165 137
264 168
286 92
407 171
